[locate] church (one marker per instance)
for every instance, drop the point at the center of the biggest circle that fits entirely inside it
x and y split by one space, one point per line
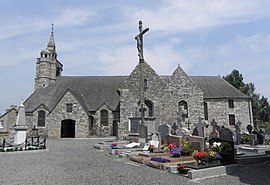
86 106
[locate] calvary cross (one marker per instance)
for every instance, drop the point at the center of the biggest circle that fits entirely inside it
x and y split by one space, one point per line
139 39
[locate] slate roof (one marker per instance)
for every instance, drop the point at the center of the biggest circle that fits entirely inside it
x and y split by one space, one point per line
93 91
217 87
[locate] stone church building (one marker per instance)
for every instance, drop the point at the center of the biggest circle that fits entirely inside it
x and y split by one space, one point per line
85 106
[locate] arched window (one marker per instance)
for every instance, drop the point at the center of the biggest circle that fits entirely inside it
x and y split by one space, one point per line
150 108
41 118
104 117
205 106
183 109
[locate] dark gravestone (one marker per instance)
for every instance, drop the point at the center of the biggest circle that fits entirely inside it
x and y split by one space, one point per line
226 139
134 125
260 138
164 130
249 128
195 132
143 131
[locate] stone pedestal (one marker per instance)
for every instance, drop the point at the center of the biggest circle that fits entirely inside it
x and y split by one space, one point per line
20 134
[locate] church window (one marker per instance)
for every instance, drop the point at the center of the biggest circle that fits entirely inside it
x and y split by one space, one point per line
145 84
150 108
69 107
45 55
231 104
183 109
41 118
104 117
1 123
205 106
231 119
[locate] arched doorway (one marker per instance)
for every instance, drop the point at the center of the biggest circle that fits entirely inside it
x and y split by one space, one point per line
67 128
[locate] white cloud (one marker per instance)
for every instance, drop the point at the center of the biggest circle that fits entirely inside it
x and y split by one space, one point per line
186 15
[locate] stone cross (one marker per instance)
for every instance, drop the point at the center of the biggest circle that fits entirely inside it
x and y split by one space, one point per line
200 125
238 135
214 133
139 39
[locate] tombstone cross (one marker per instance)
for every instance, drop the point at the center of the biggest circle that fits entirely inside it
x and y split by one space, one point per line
139 39
200 125
214 133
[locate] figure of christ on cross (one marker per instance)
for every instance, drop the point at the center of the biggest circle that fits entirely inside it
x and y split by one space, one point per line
139 39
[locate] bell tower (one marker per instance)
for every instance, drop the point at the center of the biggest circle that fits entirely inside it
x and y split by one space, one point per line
47 66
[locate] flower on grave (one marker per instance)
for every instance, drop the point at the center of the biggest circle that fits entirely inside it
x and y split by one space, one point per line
160 159
176 152
182 169
114 145
172 145
200 157
213 156
217 147
163 146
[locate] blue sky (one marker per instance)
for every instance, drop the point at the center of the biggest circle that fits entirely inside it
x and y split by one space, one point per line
205 37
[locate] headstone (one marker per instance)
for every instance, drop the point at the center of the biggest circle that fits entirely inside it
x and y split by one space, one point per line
196 141
154 140
164 130
143 134
195 132
260 138
267 136
20 126
238 134
249 128
214 133
200 125
134 125
226 134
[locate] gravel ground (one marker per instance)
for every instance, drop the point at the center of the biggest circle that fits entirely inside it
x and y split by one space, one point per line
76 161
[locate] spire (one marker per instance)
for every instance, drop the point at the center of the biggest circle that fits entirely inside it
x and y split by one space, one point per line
51 44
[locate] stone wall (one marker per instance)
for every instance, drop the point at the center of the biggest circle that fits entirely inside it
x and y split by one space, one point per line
59 114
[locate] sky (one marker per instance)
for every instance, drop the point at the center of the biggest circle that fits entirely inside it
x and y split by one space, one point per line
97 38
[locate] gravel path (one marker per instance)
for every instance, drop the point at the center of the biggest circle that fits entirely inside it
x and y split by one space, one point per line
76 161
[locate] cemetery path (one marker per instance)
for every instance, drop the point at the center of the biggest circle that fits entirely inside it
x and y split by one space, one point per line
76 161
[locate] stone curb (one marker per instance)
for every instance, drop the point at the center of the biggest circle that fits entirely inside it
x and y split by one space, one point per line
23 152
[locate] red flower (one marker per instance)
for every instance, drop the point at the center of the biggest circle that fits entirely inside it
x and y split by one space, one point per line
172 145
181 166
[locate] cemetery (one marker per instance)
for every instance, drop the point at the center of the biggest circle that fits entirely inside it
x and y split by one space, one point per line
193 154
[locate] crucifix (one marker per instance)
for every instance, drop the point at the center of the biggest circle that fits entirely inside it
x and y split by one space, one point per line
143 130
139 39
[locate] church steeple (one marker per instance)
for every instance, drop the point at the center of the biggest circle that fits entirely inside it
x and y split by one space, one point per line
51 44
47 66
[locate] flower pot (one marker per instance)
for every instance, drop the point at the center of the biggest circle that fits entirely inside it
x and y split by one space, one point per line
183 171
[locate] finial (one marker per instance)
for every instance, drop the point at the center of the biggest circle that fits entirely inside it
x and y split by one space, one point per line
52 27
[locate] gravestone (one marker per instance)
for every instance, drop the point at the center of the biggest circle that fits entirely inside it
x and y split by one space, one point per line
143 134
260 138
238 134
200 125
196 141
228 152
154 140
134 124
249 128
214 133
195 132
164 130
267 136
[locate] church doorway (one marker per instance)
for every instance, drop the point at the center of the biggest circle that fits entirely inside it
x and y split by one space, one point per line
68 128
